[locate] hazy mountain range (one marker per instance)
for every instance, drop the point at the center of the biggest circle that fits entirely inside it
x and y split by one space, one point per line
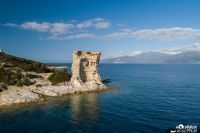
189 54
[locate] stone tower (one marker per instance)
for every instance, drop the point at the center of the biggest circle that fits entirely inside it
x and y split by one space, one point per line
85 68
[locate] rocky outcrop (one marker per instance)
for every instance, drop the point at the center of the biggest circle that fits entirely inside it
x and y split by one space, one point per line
68 88
17 95
85 77
57 90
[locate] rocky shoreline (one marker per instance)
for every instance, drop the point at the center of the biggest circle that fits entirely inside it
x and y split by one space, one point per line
29 94
85 77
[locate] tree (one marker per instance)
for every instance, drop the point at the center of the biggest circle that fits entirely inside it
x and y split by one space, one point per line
59 77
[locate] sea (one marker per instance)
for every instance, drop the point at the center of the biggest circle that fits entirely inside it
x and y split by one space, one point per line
141 99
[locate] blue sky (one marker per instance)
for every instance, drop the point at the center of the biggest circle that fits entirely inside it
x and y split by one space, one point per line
49 30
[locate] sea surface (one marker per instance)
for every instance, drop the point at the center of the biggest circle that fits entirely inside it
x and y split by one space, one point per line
144 99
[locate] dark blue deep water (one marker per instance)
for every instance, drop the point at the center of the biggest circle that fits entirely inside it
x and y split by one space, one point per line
150 99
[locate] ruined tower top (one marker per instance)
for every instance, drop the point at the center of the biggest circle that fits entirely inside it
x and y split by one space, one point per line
88 55
85 67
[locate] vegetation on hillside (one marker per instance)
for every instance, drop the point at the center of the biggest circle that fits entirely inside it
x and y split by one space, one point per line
10 77
9 61
16 71
13 71
3 87
59 77
33 76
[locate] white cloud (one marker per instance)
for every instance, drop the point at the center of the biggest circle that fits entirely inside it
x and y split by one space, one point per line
63 30
181 49
98 23
121 53
166 34
98 19
102 25
124 33
195 47
74 27
61 27
11 25
73 36
175 33
41 27
85 24
47 27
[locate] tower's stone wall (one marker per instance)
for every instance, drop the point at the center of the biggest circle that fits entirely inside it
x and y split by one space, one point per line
85 66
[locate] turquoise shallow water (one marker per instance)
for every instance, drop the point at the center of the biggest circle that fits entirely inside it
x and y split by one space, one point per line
150 99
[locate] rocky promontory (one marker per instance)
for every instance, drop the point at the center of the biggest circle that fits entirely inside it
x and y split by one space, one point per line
25 81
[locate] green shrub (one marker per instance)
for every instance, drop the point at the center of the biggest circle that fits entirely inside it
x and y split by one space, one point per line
3 86
25 81
9 77
19 83
59 77
32 76
12 81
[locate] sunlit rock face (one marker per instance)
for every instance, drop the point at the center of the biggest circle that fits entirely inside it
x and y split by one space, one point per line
85 69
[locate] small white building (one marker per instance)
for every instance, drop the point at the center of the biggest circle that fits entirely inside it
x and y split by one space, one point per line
1 50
